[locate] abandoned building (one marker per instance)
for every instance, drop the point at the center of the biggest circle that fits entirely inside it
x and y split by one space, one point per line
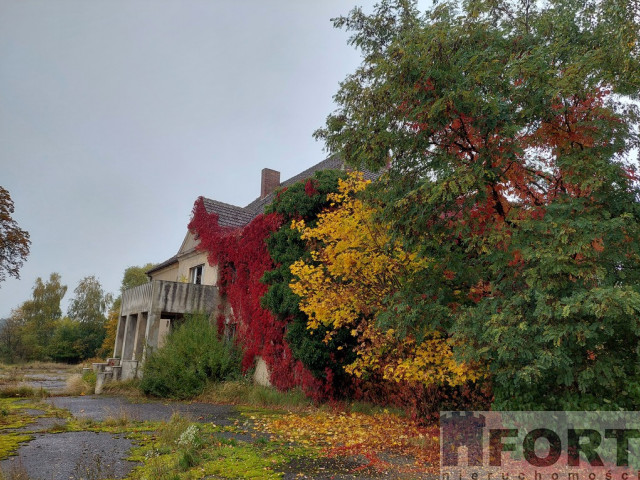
185 283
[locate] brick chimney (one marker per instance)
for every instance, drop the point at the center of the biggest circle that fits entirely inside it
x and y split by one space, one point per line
270 181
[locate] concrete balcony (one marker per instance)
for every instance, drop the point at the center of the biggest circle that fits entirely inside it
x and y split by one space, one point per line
147 313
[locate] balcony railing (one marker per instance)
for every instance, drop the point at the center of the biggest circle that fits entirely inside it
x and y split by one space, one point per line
172 297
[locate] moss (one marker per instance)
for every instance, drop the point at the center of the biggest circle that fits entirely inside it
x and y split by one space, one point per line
9 443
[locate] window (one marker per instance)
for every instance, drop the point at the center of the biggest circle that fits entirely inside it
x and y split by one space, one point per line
195 274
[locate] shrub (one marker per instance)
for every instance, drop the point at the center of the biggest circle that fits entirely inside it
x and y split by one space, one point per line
193 354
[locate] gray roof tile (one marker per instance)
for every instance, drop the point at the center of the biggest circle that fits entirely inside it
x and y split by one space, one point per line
228 215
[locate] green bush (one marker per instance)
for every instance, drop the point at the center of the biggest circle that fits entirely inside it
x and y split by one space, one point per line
192 355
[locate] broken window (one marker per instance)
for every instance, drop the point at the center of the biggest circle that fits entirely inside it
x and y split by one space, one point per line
195 274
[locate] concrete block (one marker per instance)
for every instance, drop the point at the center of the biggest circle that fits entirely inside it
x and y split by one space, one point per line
101 379
261 374
98 367
129 369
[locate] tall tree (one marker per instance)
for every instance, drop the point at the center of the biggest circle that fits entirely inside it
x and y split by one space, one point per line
135 276
88 307
40 313
12 347
14 242
510 128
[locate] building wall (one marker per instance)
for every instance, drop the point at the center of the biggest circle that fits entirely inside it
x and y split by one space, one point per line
193 259
168 274
188 257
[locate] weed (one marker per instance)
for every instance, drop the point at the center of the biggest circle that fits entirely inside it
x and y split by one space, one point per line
80 384
170 432
15 472
58 428
122 418
93 468
90 378
85 423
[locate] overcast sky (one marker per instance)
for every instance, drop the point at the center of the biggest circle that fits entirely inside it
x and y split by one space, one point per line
116 115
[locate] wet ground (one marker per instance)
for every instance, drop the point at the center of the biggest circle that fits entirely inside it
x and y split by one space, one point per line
70 455
97 407
84 455
73 455
81 455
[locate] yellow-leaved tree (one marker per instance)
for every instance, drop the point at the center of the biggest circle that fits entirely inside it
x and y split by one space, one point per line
354 267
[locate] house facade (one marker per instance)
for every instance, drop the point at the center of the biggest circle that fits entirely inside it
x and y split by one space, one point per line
186 282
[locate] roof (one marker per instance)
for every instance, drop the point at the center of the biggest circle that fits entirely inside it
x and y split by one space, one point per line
332 163
228 215
162 265
234 216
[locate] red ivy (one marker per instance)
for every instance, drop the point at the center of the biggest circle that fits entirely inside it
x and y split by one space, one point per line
242 258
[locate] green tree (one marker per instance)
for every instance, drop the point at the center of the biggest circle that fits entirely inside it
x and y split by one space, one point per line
12 347
509 128
40 313
14 242
69 343
88 307
303 200
135 276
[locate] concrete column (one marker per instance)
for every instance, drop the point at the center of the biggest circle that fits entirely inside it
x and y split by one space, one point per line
141 331
117 349
151 335
129 337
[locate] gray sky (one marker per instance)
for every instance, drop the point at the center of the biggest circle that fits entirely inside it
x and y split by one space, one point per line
115 115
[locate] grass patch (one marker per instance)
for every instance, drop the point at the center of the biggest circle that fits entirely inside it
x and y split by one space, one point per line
127 388
22 391
77 385
181 449
243 392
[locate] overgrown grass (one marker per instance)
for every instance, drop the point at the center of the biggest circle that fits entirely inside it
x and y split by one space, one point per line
81 384
22 391
243 392
127 388
181 449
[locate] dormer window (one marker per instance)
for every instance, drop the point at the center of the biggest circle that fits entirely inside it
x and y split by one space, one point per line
195 274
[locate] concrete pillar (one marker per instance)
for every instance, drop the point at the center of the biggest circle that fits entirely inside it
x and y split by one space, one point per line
141 330
129 337
117 350
151 335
